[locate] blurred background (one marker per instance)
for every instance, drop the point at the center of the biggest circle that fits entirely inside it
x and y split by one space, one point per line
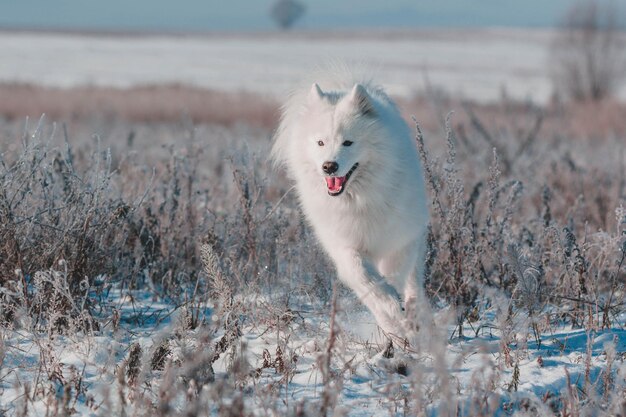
234 62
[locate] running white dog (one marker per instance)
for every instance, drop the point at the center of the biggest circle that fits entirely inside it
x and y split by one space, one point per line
361 187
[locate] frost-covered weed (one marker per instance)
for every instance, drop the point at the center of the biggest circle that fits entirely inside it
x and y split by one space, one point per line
528 237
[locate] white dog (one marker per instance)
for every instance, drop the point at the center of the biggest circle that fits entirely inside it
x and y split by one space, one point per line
360 184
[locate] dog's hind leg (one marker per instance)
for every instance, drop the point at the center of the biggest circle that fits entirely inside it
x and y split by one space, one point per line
372 289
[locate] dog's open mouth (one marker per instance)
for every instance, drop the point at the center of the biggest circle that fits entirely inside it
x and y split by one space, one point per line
336 185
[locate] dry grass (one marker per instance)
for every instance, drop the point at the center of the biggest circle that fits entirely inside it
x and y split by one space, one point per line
145 103
528 235
595 120
172 103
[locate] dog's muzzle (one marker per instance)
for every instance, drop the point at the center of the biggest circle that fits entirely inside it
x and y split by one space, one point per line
336 185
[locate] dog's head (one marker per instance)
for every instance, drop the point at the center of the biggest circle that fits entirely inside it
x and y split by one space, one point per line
339 130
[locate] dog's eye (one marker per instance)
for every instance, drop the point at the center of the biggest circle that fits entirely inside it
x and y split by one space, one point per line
320 143
347 143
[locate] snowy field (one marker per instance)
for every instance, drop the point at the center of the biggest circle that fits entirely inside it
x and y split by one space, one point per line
108 310
479 65
277 368
164 269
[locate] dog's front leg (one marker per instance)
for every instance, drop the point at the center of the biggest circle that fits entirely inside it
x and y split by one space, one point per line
374 292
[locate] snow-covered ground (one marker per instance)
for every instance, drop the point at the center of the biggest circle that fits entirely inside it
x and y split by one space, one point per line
478 64
364 381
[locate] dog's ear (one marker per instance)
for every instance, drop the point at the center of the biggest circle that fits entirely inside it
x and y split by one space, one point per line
316 93
362 100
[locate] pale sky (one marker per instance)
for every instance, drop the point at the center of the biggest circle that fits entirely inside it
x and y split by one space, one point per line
219 15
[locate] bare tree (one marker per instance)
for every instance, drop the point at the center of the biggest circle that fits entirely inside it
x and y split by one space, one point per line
287 12
588 55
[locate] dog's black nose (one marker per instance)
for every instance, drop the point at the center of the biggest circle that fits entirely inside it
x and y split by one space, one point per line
330 167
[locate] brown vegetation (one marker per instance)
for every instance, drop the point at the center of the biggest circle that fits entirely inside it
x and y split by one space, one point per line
574 120
143 103
173 103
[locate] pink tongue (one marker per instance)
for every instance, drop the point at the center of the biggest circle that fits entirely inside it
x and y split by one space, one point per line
335 184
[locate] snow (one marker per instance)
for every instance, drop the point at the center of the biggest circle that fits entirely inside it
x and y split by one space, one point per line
370 384
477 64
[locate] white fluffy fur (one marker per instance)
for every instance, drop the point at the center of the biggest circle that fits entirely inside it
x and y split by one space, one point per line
375 230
